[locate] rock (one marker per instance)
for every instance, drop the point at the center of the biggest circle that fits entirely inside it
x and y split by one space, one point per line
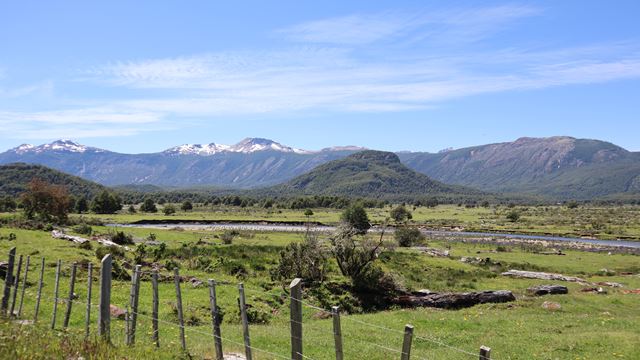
116 312
454 300
541 290
597 290
611 284
542 276
550 305
234 356
56 234
636 291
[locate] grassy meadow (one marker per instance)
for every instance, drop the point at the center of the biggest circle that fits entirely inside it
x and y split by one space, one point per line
588 326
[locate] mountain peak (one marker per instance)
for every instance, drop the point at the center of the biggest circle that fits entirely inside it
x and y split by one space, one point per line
376 156
250 145
62 145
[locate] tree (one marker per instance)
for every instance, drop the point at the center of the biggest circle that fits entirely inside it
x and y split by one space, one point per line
306 260
408 236
355 216
148 206
7 204
187 206
131 209
106 203
308 213
82 205
431 202
46 202
513 216
169 210
400 214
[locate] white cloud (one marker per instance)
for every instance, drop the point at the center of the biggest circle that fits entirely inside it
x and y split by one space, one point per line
369 63
468 24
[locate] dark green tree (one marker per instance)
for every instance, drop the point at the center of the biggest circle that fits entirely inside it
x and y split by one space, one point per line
356 217
187 206
82 205
148 206
106 203
400 214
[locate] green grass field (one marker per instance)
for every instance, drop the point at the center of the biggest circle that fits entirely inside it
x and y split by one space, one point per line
607 222
588 326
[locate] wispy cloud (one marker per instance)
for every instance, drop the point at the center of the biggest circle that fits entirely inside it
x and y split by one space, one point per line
355 63
468 24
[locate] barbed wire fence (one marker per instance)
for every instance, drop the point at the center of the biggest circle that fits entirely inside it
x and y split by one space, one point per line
15 289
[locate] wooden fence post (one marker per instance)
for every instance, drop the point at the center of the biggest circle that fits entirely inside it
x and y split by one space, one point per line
24 285
176 278
55 295
485 353
215 318
87 317
154 310
406 344
127 326
72 286
245 322
295 316
16 285
337 332
133 304
8 282
104 314
40 283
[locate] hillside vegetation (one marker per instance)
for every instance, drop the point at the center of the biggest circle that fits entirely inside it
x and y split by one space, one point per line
15 177
373 174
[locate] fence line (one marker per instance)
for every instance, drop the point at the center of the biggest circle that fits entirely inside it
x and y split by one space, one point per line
295 298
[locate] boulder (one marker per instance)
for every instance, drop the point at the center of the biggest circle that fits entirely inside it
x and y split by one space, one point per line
541 290
116 312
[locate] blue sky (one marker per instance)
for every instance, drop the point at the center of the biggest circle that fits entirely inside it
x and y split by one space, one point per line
142 76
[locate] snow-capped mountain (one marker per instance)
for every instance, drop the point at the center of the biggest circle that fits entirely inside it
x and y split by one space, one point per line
56 146
246 146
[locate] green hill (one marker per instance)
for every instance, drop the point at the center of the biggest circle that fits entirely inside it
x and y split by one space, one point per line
15 177
370 174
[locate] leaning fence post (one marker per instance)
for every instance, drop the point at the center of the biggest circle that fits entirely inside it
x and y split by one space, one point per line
16 285
406 344
485 353
55 295
8 282
104 315
35 316
72 285
296 318
133 303
337 331
87 318
215 318
245 322
24 285
154 311
176 278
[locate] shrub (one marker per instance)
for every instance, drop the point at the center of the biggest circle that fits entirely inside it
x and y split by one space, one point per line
513 216
306 260
408 236
169 209
228 236
121 238
83 229
356 217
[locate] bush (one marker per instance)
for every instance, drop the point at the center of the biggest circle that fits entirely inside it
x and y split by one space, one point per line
228 235
148 206
400 214
83 229
121 238
169 210
356 217
513 216
116 252
408 236
305 260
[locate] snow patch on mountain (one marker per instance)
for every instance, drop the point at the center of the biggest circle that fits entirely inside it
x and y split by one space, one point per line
57 146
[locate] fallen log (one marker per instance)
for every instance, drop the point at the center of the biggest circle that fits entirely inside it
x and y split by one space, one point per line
541 290
454 300
57 234
543 276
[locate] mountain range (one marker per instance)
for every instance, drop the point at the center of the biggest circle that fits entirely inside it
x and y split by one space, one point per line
556 167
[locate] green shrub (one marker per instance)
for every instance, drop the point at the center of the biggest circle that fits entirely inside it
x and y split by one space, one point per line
408 236
83 229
